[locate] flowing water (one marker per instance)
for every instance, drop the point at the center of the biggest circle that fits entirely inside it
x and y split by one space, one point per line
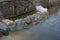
49 29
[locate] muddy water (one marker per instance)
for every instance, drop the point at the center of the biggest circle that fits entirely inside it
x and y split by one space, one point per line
47 30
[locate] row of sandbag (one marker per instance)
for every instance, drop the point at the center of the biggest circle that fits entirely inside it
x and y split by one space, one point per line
22 23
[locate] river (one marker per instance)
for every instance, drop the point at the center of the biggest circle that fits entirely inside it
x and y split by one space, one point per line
49 29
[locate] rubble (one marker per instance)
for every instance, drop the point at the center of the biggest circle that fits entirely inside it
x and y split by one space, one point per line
21 23
27 20
7 21
41 9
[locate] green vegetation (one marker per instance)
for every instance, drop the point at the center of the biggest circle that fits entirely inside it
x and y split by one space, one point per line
22 16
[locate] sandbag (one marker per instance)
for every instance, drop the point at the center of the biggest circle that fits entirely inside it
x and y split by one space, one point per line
20 24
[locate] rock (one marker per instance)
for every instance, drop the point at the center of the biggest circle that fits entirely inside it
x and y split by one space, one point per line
42 17
32 17
20 24
47 14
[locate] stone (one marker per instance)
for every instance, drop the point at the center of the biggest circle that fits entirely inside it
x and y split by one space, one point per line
42 17
28 21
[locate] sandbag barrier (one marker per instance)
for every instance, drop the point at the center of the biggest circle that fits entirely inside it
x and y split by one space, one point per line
7 25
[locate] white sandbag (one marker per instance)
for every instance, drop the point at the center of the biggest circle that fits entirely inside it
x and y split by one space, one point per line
12 27
37 17
10 24
41 9
7 21
20 24
32 18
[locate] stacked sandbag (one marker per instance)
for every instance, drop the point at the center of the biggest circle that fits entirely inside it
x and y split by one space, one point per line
4 29
7 25
14 26
11 25
19 24
27 20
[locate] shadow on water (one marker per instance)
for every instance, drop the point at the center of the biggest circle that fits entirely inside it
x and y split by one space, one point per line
47 30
